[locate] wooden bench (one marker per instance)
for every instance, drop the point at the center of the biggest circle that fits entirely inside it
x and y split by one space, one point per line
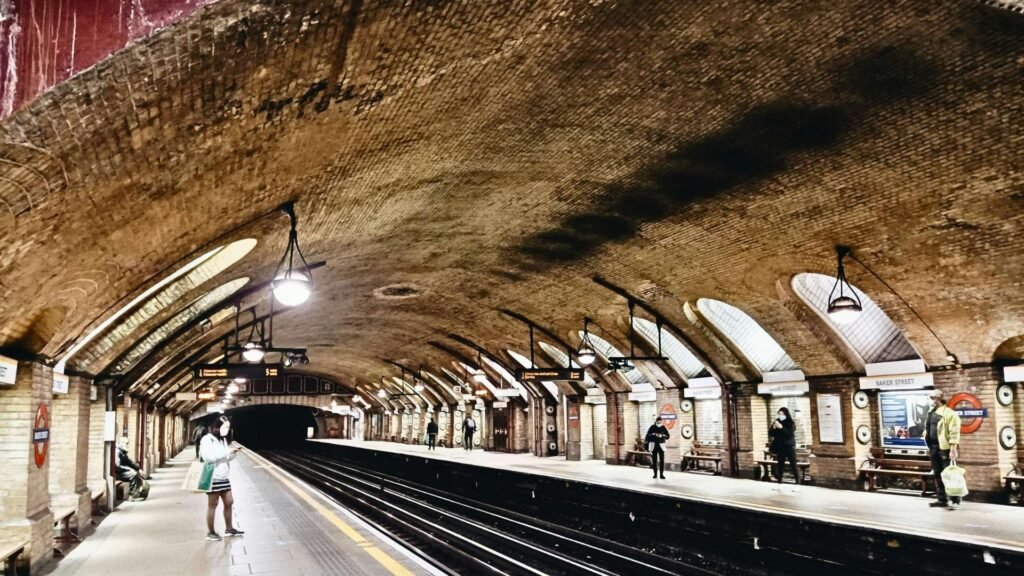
699 454
768 463
634 457
63 535
880 464
1015 483
9 554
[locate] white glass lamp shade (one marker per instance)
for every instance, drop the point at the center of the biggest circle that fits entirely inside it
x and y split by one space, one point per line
382 394
253 352
844 310
479 377
239 381
291 288
418 387
232 388
586 355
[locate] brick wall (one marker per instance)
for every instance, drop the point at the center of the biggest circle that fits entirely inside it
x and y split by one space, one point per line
709 421
24 487
97 411
69 447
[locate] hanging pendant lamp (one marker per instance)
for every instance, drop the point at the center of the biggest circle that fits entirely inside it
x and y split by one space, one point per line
585 354
845 306
293 281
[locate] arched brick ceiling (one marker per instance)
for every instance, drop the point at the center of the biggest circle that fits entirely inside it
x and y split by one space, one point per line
500 154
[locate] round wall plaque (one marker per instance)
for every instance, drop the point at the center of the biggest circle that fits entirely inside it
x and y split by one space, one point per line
1004 394
550 409
686 405
861 399
863 434
686 431
1007 437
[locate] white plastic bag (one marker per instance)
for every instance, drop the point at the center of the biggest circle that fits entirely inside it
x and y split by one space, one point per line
953 478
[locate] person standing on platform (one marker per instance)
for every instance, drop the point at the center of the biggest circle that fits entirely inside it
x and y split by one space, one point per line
942 435
214 449
656 436
468 429
431 434
782 433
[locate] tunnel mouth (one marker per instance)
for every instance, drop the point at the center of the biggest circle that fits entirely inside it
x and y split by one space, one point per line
270 426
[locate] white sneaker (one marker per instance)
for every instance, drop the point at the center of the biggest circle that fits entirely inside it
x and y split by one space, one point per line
954 505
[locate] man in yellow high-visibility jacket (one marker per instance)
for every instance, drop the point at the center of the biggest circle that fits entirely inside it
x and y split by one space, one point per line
942 435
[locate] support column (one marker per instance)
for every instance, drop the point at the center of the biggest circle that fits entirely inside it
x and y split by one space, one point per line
97 409
25 499
586 431
69 451
573 430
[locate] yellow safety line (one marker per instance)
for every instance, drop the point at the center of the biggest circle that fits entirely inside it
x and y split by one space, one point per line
379 555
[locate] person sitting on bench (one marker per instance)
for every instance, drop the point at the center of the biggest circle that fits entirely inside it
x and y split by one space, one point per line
128 471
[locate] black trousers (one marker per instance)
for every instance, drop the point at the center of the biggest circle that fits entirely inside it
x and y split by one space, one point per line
133 478
658 460
468 439
783 454
431 439
940 460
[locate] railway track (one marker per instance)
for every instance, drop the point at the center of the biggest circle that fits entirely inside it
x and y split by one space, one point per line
461 536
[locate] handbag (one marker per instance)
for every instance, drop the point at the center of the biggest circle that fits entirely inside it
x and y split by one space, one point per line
955 481
199 477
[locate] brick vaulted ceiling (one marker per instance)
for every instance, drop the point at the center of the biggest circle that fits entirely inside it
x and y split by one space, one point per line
501 154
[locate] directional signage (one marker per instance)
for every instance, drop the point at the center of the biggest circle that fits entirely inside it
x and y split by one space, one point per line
536 374
232 371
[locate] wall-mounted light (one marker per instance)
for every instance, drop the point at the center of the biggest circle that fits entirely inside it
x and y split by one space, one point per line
585 354
845 306
293 281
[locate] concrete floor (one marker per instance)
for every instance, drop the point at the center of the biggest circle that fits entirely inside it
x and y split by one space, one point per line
290 530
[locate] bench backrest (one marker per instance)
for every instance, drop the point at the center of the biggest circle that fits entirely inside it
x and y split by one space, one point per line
902 462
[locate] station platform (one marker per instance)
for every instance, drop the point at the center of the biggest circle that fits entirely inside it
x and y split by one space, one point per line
289 528
983 525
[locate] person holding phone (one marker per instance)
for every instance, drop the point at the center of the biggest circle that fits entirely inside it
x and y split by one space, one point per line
214 448
783 435
656 436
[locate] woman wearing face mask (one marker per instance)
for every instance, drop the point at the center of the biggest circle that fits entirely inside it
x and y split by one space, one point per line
214 448
784 443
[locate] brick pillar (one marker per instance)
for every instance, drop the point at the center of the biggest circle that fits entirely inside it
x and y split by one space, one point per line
25 498
630 424
69 451
573 430
97 411
586 431
668 404
615 451
148 419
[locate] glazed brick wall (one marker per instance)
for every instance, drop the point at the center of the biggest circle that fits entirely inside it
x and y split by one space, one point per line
24 488
97 411
674 445
69 449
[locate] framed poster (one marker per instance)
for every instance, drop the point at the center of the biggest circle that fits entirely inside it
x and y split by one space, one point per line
903 418
830 418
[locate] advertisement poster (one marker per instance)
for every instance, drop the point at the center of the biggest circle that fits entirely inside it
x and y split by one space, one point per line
903 418
830 418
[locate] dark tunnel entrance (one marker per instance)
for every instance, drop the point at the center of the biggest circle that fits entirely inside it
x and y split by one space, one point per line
269 425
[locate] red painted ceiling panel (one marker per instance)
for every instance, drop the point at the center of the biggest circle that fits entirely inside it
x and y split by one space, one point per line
44 42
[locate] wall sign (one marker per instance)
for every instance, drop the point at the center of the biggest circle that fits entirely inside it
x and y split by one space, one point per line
830 418
863 434
41 435
703 393
668 416
1013 373
553 374
61 383
861 399
783 388
1004 394
968 407
897 382
642 396
8 370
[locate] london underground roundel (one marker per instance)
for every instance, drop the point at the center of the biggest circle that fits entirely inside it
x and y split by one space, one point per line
41 435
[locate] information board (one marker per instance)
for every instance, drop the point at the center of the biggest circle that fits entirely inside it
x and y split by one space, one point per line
830 418
903 417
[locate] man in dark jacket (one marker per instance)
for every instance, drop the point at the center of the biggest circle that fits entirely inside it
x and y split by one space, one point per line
468 429
128 471
431 434
656 436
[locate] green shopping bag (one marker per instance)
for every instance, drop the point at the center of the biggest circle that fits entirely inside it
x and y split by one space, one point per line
199 477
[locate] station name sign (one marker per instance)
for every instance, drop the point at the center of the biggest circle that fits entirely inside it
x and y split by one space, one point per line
897 381
535 374
232 371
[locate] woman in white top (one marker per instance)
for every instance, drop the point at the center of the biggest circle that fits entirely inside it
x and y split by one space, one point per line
214 448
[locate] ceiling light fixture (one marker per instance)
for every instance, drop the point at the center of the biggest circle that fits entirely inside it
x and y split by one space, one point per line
585 354
292 286
382 394
843 308
232 388
252 352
